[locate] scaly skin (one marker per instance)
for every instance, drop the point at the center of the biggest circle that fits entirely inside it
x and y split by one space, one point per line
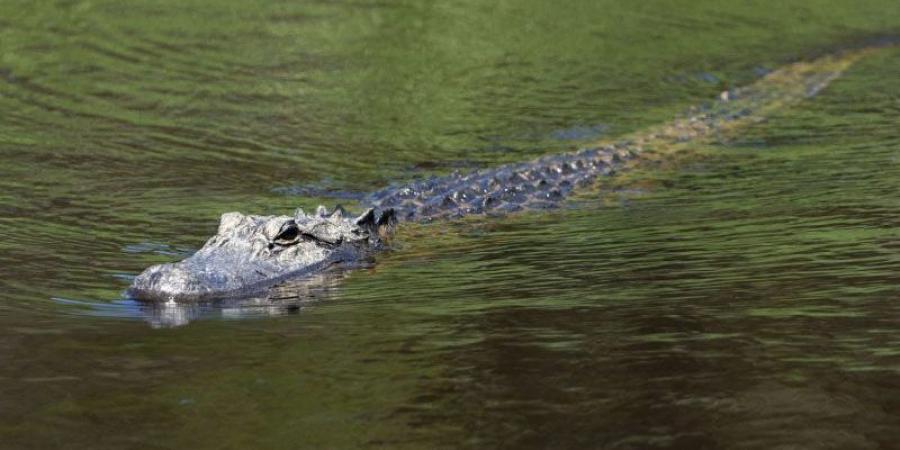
250 254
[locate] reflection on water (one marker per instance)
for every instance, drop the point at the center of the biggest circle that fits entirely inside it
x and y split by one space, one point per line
745 298
174 314
288 298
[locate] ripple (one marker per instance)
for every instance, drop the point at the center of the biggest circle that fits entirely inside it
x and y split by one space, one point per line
748 283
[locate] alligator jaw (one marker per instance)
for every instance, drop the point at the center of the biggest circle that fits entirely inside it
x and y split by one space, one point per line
196 280
286 298
250 254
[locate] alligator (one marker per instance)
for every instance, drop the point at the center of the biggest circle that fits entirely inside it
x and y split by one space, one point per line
250 254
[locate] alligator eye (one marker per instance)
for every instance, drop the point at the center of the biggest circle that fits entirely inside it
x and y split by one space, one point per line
288 234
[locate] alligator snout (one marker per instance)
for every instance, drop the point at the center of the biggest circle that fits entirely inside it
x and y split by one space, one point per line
169 280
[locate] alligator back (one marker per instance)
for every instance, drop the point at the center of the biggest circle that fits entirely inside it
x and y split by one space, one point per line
544 182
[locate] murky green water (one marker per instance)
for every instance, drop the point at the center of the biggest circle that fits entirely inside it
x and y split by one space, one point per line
741 296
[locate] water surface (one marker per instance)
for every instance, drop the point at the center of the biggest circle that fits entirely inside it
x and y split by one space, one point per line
742 294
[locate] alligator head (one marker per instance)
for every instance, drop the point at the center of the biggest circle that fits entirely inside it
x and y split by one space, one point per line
249 254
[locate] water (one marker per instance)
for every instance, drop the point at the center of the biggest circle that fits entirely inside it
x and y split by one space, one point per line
740 294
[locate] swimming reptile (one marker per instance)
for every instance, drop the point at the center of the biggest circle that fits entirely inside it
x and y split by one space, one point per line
250 254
